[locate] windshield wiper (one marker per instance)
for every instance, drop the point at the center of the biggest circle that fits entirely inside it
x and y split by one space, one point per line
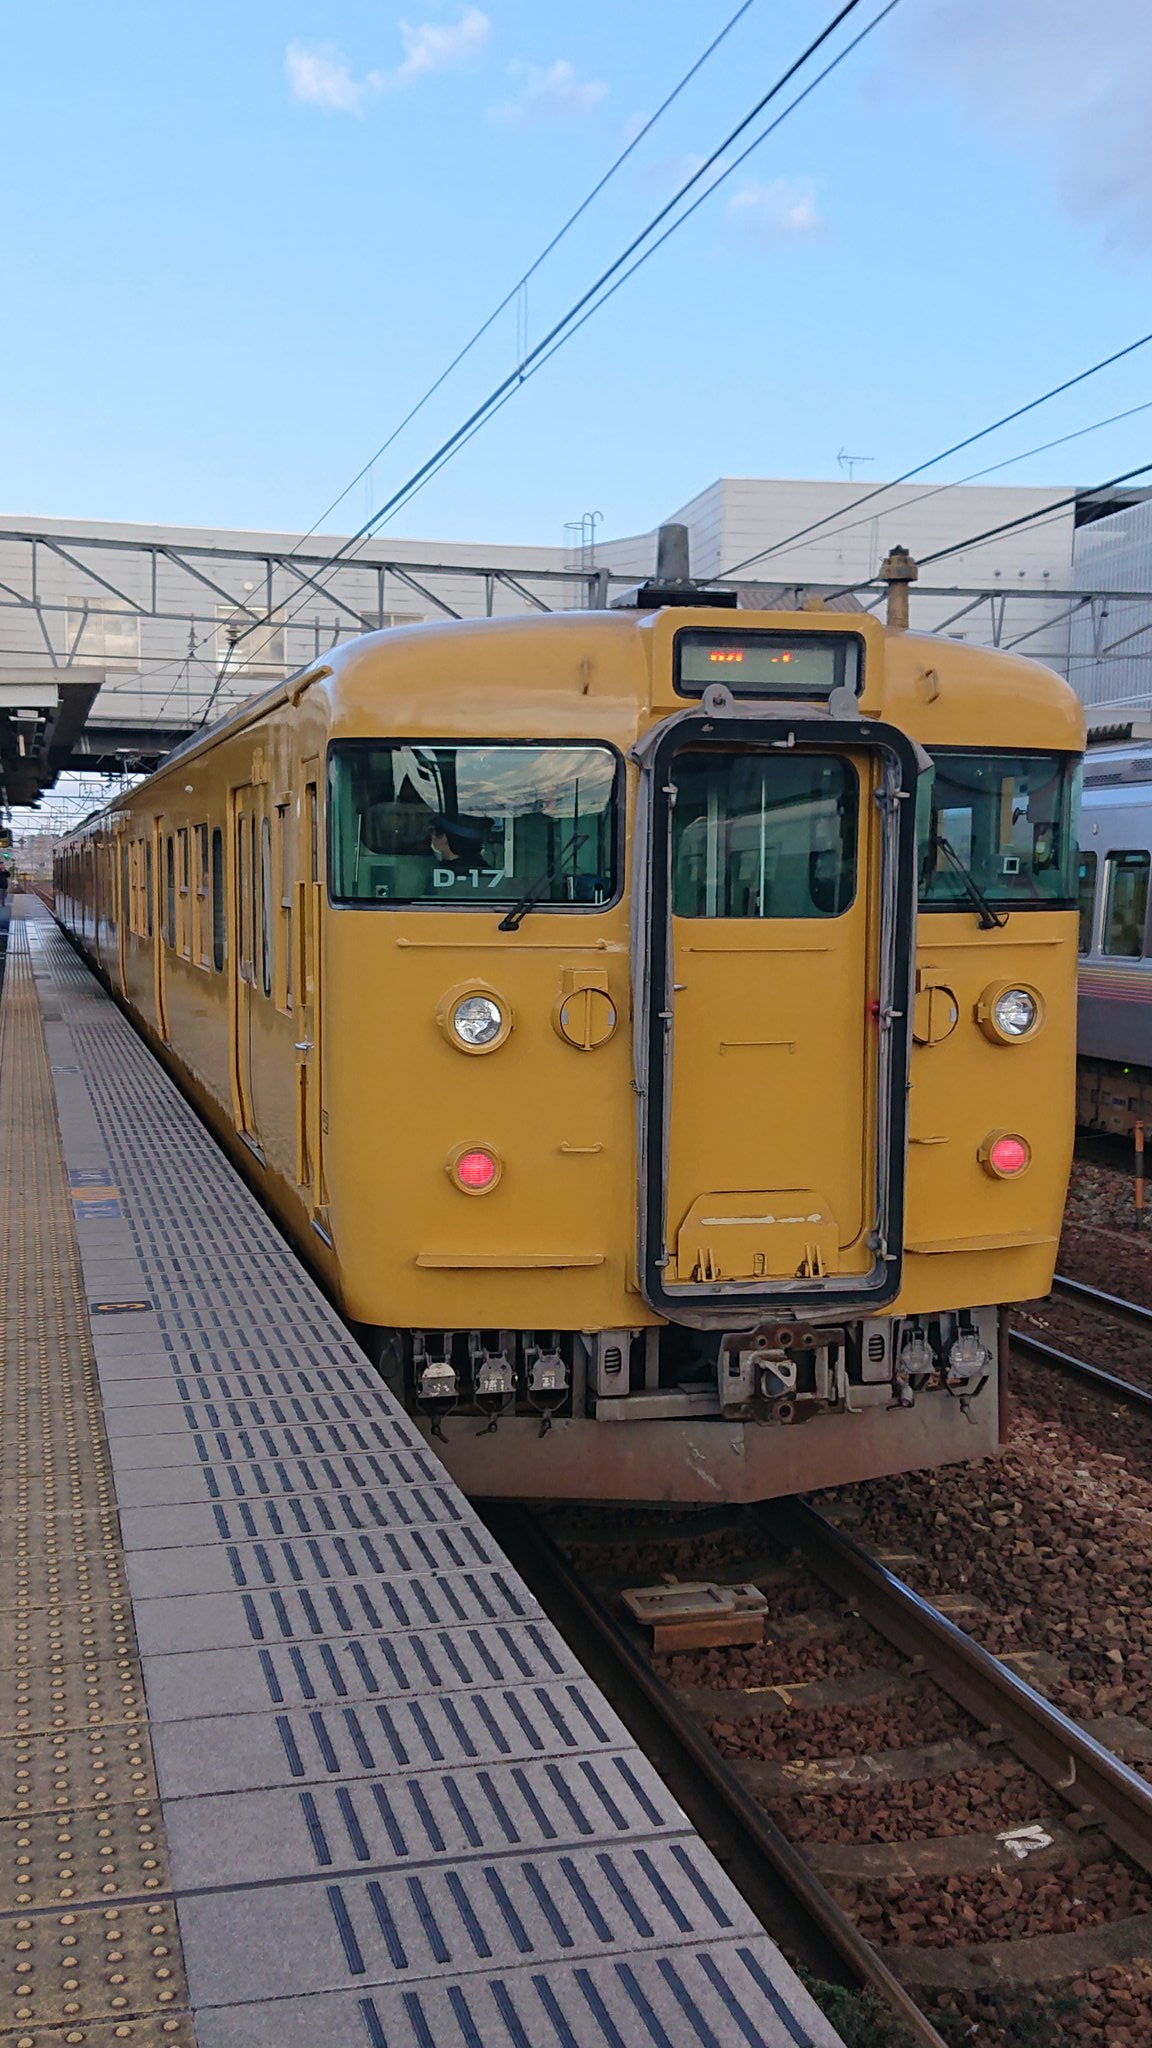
990 920
514 918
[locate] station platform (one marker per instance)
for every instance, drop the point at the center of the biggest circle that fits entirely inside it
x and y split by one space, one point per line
292 1757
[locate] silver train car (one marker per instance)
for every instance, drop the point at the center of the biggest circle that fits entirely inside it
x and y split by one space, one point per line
1114 1064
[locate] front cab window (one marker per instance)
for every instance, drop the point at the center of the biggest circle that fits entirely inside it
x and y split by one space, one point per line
1004 824
475 825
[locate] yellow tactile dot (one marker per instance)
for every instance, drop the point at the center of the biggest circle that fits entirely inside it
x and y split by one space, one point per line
75 1805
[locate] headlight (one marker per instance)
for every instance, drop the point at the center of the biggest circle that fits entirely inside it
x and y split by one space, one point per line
1008 1013
477 1021
1015 1012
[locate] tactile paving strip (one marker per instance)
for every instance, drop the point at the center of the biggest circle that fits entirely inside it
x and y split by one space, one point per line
397 1811
89 1956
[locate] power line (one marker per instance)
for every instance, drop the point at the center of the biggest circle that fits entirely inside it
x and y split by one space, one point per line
1042 515
684 81
534 266
1023 455
977 540
866 497
615 286
595 295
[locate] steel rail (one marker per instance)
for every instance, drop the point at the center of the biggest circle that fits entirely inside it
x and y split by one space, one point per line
720 1802
1132 1313
1108 1383
1102 1790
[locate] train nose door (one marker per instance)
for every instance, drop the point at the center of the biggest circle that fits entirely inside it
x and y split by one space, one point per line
244 806
771 1093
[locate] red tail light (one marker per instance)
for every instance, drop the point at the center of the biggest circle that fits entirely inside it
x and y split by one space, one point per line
1005 1154
476 1170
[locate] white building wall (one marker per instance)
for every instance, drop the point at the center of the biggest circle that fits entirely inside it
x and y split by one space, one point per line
165 669
1111 640
750 517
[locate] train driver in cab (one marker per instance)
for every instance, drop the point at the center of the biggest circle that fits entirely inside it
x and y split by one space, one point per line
457 847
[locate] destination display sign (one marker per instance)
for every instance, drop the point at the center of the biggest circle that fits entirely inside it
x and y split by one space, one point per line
759 664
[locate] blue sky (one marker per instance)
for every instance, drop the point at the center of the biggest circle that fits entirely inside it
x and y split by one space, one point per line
239 240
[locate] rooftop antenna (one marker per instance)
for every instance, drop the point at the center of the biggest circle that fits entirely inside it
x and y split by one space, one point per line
849 462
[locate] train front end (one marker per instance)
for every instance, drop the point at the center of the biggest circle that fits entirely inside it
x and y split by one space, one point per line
623 927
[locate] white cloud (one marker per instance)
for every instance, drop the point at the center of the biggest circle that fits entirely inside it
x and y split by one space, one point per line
436 46
552 92
1063 84
776 211
318 75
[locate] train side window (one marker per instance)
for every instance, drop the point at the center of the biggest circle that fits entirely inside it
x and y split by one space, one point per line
242 898
170 891
763 835
266 906
219 919
148 906
1126 903
253 901
200 937
1086 890
184 904
284 934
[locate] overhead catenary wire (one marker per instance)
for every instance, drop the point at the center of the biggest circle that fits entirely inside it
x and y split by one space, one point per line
550 246
673 227
978 540
572 318
973 476
619 160
957 448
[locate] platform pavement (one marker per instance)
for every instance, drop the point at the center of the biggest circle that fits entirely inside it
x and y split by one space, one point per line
393 1810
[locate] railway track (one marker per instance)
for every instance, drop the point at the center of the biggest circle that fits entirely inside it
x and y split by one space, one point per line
1130 1315
1085 1793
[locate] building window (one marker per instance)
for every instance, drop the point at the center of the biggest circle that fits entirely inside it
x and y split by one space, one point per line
102 628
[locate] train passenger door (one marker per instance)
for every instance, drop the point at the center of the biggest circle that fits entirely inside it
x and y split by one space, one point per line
123 905
159 984
244 808
777 1021
309 885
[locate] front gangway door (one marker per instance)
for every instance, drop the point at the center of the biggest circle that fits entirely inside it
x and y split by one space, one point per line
774 1035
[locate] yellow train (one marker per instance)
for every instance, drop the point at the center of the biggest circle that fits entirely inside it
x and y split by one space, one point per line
655 1026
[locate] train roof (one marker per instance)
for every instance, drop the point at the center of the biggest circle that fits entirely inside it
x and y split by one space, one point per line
610 672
